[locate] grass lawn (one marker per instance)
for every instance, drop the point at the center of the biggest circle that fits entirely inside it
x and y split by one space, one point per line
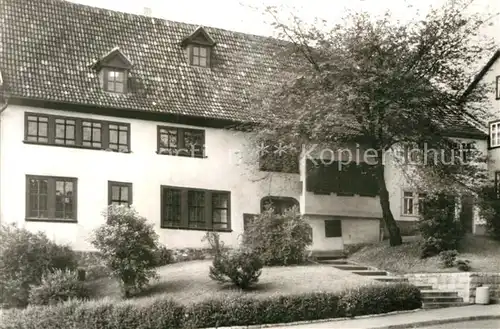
482 252
189 282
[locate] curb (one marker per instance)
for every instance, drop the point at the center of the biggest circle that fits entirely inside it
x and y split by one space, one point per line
437 322
286 324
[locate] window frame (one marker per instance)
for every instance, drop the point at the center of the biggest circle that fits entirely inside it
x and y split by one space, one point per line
106 81
120 184
78 133
490 130
208 210
180 142
416 198
497 87
192 56
51 208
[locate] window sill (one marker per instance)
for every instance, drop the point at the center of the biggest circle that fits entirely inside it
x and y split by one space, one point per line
51 220
493 147
182 155
227 230
74 147
410 215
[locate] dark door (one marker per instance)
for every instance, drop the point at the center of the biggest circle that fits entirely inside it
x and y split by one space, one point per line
466 213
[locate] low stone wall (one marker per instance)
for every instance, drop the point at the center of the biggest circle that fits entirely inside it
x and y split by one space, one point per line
465 283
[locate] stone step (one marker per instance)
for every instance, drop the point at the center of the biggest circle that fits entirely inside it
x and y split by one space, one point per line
424 287
442 305
394 279
334 262
441 299
438 293
370 273
350 267
328 255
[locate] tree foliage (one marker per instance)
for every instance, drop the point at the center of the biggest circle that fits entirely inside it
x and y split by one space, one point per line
380 83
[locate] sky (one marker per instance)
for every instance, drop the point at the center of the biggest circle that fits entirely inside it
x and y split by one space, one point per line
246 15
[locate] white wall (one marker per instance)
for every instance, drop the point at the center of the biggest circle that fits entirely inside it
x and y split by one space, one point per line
146 170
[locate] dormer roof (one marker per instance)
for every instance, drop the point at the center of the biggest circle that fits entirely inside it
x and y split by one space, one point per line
199 37
113 58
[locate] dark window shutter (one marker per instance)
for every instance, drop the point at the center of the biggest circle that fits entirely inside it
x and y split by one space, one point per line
368 183
333 228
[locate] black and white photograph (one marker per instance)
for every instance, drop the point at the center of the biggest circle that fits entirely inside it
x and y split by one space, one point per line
249 164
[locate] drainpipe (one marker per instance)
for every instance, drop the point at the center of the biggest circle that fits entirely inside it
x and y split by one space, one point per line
3 108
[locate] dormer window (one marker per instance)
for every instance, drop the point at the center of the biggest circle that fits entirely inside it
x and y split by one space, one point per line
199 46
113 71
199 56
114 81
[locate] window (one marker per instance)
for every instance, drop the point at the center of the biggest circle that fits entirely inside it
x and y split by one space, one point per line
114 81
413 203
77 132
181 142
37 128
199 56
344 179
119 193
92 134
279 204
118 137
50 198
185 208
333 228
495 134
497 184
65 131
497 89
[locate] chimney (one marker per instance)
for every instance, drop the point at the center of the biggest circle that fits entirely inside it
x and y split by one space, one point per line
147 11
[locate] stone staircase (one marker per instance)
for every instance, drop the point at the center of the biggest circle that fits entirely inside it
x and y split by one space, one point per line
430 298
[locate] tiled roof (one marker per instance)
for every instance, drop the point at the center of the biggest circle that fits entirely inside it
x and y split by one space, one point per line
48 47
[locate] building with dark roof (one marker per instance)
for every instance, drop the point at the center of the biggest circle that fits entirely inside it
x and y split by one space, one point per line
104 107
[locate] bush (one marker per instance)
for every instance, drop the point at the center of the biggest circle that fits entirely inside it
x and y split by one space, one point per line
448 258
463 265
380 299
128 245
58 286
217 312
489 210
163 256
279 239
242 267
439 226
93 264
24 258
216 246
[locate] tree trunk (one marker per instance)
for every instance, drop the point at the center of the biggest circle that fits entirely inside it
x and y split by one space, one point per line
394 233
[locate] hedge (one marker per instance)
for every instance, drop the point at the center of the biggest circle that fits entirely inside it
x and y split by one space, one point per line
166 313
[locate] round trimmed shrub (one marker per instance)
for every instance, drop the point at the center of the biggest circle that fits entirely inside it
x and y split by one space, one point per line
242 267
128 245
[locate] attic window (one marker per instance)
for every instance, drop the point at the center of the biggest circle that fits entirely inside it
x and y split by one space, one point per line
113 70
199 46
199 56
114 80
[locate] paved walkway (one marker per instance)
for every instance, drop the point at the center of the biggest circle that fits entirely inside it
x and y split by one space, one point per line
409 320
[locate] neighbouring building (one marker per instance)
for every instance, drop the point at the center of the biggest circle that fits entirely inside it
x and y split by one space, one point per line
99 106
